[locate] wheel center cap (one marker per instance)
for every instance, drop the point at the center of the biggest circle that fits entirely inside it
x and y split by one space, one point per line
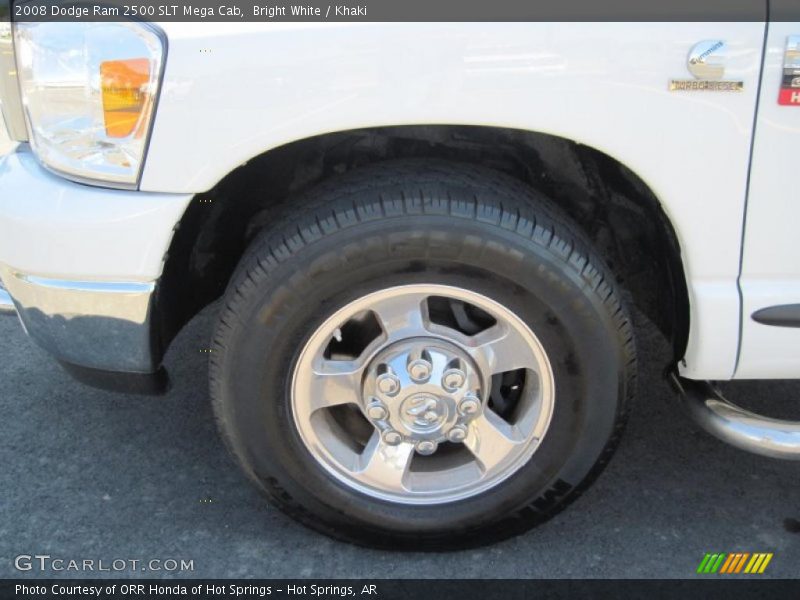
423 413
423 391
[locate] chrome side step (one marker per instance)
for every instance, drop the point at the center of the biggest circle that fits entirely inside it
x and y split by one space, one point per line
738 427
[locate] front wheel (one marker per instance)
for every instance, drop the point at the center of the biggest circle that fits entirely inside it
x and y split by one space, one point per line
423 355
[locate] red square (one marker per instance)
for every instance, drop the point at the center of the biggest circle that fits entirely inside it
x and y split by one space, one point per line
789 97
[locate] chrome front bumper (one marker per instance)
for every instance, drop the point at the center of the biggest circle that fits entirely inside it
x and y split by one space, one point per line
100 332
99 325
6 303
80 265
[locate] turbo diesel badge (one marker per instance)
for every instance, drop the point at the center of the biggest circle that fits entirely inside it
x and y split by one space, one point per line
706 62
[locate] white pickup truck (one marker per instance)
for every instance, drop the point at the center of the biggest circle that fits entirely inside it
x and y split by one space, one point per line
428 239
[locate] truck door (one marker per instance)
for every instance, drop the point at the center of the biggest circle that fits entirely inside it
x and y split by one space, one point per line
770 274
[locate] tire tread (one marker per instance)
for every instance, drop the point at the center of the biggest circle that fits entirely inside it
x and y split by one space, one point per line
321 213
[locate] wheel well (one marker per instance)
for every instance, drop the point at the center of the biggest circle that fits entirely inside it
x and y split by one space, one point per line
614 206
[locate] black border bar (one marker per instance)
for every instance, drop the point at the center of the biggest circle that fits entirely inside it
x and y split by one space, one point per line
407 10
723 588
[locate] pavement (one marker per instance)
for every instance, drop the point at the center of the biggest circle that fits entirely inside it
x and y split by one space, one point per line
95 475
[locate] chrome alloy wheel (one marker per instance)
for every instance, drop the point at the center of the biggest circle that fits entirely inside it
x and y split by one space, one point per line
422 394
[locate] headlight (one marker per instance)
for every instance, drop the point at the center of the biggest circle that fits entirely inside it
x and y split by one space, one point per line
89 91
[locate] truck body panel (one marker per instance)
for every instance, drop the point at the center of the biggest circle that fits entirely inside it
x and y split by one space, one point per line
600 84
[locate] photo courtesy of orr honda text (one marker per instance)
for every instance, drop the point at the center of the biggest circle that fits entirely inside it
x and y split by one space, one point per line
366 299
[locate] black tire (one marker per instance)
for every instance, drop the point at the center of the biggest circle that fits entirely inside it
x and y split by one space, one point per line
413 222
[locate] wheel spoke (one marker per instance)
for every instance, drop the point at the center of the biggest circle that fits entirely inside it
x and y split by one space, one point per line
333 382
501 348
385 466
402 315
490 439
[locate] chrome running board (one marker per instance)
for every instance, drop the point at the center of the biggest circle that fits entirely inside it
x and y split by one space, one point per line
738 427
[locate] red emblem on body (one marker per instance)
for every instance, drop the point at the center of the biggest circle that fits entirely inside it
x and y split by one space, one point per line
789 97
790 84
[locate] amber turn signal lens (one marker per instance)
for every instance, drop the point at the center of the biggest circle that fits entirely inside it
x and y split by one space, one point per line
125 94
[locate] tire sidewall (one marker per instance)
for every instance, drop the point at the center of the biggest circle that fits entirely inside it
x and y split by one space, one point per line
278 315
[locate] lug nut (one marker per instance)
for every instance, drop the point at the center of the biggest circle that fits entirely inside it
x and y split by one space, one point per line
377 411
426 447
391 437
457 434
453 379
420 370
469 406
388 384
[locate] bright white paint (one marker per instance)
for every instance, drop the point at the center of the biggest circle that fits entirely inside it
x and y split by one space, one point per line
52 227
233 92
771 267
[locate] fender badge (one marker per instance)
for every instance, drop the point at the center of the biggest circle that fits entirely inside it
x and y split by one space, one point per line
790 84
706 62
